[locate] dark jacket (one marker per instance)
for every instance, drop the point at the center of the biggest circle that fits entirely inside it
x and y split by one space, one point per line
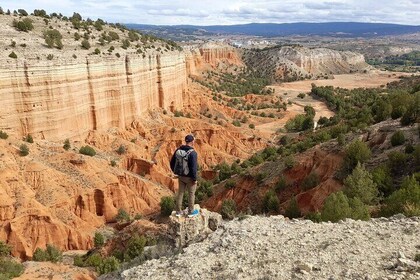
192 161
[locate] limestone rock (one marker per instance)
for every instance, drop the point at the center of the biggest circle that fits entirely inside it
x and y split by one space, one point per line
277 248
185 230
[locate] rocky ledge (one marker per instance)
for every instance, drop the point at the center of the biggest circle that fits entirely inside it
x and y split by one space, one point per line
277 248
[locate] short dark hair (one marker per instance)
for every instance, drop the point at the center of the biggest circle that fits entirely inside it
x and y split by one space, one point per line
189 138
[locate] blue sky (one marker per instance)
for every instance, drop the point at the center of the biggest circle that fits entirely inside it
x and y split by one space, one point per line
204 12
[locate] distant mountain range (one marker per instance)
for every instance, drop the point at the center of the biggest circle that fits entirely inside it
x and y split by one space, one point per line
335 29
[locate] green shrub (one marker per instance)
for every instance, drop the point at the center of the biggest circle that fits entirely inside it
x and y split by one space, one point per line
310 181
336 207
53 37
341 139
99 239
13 55
228 210
167 205
251 126
300 123
293 210
108 265
113 163
397 138
409 149
54 254
138 216
285 140
356 151
314 217
236 123
135 246
397 162
28 139
121 150
50 57
113 35
85 44
359 211
76 36
4 249
406 200
398 112
301 95
23 150
40 255
51 254
271 202
289 162
260 177
361 185
94 260
122 216
281 184
78 261
24 25
66 145
10 269
97 51
125 44
178 114
22 12
381 176
230 184
3 135
256 159
87 150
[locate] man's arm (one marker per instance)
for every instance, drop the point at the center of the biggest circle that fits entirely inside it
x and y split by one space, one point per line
172 163
192 165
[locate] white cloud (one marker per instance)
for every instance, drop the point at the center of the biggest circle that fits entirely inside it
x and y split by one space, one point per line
212 12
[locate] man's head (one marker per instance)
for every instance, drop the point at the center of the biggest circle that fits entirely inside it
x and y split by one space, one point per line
189 139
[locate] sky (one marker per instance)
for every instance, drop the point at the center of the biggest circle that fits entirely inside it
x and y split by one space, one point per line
227 12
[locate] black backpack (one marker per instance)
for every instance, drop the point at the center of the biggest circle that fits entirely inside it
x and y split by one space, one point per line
181 162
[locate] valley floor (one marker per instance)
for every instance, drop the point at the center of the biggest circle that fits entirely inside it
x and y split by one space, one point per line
278 248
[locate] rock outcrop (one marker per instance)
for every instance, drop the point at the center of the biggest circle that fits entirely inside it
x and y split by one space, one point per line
277 248
295 62
211 56
185 230
67 99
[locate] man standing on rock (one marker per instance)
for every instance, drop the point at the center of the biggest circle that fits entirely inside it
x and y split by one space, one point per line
184 164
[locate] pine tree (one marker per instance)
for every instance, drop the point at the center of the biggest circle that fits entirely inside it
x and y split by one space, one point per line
360 185
336 207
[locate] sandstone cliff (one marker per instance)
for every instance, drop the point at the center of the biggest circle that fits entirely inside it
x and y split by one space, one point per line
211 56
67 99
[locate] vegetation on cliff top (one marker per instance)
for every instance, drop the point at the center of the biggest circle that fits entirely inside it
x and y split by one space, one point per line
99 34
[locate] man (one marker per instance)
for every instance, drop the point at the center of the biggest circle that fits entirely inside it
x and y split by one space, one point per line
184 164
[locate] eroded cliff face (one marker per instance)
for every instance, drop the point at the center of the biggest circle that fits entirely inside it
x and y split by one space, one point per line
51 197
210 56
295 62
67 99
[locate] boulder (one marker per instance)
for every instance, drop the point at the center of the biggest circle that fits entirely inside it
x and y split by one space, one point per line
184 230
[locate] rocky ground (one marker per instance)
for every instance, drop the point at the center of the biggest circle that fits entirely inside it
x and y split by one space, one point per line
277 248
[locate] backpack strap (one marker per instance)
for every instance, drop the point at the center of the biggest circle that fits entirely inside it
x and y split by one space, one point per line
188 152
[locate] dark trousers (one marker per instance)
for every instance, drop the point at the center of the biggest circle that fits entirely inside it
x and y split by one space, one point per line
186 183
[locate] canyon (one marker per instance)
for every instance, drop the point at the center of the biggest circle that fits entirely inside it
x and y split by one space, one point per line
59 197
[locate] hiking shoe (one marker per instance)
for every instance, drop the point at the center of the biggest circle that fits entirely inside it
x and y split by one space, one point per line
179 213
194 213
